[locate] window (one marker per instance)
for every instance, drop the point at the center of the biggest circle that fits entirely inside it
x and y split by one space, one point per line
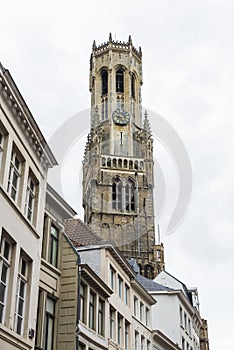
126 294
82 302
92 298
117 189
120 286
148 345
147 314
130 196
119 334
23 275
142 343
5 264
104 109
1 147
104 78
101 313
14 175
189 326
135 306
185 321
136 340
31 197
181 316
133 81
187 346
49 324
141 311
54 238
112 277
119 80
112 322
126 335
183 344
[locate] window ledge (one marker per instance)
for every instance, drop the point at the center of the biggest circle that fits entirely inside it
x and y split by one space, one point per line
10 336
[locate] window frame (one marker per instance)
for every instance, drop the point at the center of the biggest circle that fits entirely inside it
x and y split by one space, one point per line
92 310
49 316
101 316
31 197
119 80
53 245
22 293
5 261
15 174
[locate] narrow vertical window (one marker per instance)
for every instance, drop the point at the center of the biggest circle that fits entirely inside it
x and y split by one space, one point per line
117 190
130 196
112 278
119 80
54 238
112 323
126 335
141 311
92 298
126 294
119 334
104 77
101 313
147 316
120 286
5 264
21 295
1 147
49 323
136 340
133 86
31 197
14 175
82 302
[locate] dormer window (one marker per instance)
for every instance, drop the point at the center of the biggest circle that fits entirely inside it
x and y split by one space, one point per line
104 77
119 80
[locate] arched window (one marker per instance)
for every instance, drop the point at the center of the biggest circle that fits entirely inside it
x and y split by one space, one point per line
133 86
130 196
119 80
104 76
117 190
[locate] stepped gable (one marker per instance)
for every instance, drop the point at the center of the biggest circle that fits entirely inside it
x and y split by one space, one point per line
150 285
79 233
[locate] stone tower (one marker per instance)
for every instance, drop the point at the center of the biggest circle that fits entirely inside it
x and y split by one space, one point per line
118 178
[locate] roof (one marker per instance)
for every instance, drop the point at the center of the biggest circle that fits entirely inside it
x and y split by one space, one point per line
79 233
150 285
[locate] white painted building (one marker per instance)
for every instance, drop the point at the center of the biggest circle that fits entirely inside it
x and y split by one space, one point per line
24 161
176 313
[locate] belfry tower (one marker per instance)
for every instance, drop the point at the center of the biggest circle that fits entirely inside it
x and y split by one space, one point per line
118 177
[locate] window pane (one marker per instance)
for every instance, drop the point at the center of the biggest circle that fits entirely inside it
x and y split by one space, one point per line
2 292
6 250
4 273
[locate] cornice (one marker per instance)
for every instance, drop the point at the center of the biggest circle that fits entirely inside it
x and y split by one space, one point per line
24 118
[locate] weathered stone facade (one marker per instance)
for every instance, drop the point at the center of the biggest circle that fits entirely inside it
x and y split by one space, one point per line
118 163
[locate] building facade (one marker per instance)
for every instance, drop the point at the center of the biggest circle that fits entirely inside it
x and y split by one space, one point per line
24 161
118 178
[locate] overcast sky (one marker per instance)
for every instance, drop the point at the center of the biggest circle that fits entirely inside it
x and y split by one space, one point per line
188 70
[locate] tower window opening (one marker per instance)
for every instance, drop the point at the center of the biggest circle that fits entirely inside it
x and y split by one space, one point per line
119 80
104 76
117 190
133 86
130 196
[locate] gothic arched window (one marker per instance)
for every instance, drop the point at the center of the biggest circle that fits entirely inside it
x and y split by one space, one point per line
117 190
119 80
104 76
130 196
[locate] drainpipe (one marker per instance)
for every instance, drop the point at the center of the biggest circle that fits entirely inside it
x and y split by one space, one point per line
78 303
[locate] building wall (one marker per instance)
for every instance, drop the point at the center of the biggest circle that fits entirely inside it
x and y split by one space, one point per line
21 224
